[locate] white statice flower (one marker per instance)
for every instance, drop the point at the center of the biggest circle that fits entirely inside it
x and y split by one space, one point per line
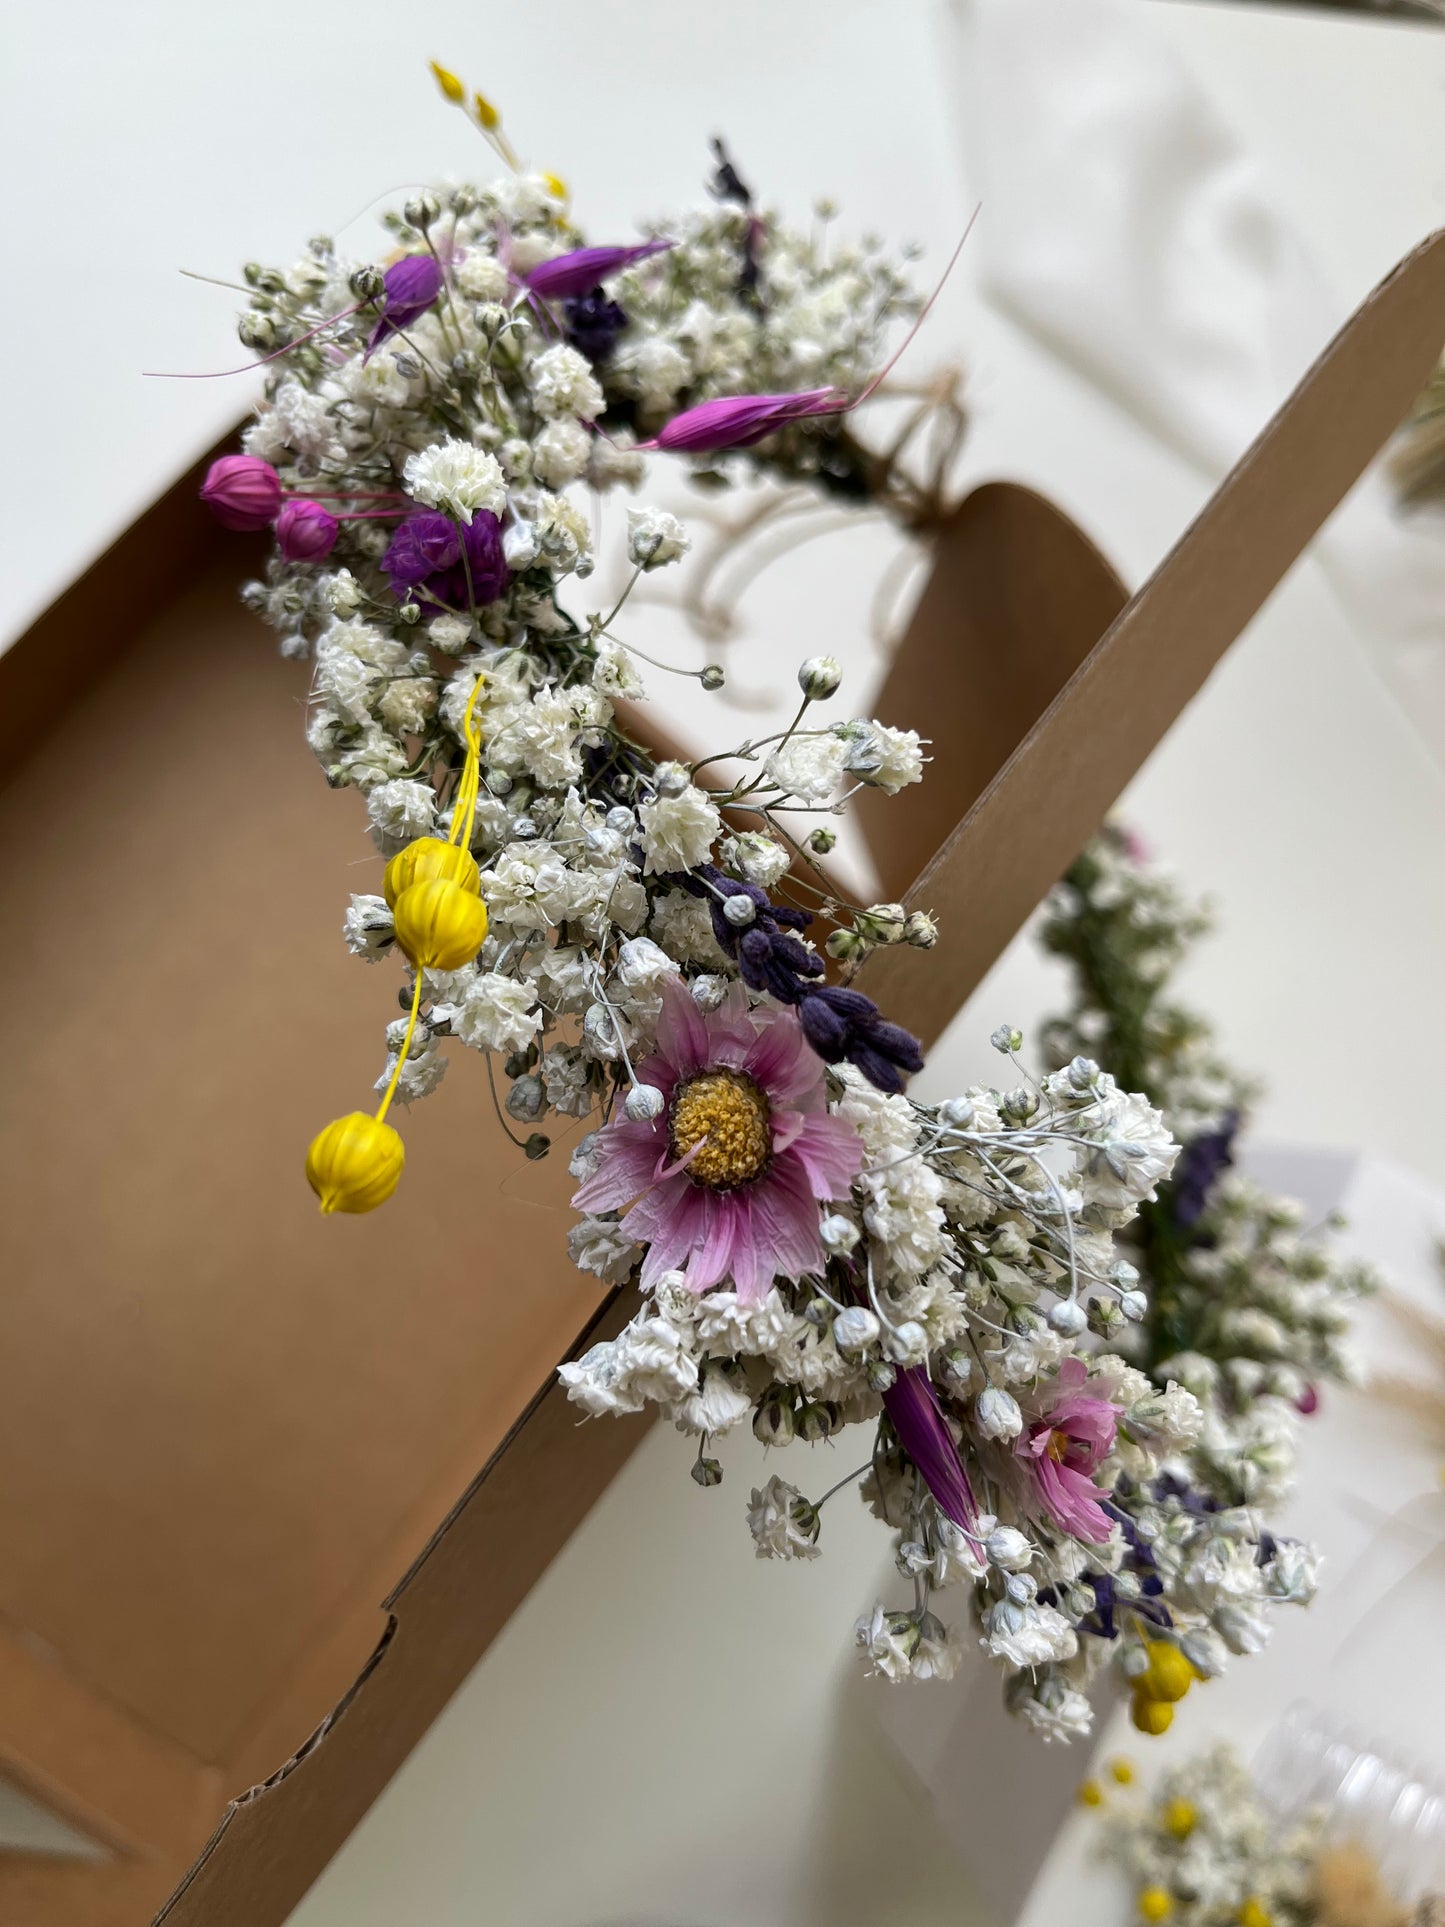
678 832
889 1641
1130 1151
809 767
598 1246
1030 1635
401 810
368 928
561 382
560 453
654 538
646 1362
457 478
492 1012
721 1402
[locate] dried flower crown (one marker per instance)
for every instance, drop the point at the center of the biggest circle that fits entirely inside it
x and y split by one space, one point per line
817 1250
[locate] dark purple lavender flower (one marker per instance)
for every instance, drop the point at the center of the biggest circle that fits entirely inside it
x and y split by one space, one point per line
412 284
425 559
843 1026
594 321
583 268
306 532
1204 1158
913 1409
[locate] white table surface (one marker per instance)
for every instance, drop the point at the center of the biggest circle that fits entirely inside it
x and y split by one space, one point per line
663 1734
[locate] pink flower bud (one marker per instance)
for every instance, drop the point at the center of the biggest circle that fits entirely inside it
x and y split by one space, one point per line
242 492
305 532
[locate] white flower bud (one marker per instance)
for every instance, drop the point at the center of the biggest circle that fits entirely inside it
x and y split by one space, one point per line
672 779
1006 1039
819 678
839 1234
908 1343
708 991
882 923
855 1329
1007 1547
958 1113
1068 1318
1134 1305
957 1365
997 1414
740 911
1020 1588
643 1103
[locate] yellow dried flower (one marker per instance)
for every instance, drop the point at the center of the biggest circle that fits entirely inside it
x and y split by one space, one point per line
1180 1818
486 113
1091 1794
439 925
354 1164
1150 1715
1169 1675
555 186
424 859
1155 1904
455 92
1254 1913
1122 1772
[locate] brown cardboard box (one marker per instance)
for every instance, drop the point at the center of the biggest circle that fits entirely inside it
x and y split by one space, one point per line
227 1425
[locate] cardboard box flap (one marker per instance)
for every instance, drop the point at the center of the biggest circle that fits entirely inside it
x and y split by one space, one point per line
1052 793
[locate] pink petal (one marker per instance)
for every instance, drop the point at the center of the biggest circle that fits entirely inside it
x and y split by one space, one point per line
682 1039
781 1062
731 1032
787 1129
830 1151
785 1221
725 1218
630 1158
671 1221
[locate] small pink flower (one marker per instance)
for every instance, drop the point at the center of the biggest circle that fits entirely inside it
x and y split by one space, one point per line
242 492
727 1180
306 532
1061 1449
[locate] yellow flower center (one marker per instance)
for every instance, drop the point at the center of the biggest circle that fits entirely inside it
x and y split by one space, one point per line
723 1118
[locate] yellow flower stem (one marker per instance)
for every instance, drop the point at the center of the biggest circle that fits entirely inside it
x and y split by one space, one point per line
464 808
405 1047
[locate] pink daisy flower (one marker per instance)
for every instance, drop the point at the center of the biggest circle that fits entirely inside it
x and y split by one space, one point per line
727 1180
1063 1446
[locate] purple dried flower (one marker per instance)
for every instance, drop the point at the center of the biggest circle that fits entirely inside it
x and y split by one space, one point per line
844 1026
583 268
412 284
594 321
913 1409
737 421
425 559
306 532
242 492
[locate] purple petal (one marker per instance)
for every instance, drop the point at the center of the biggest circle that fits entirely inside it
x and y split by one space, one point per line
412 284
912 1404
582 269
737 421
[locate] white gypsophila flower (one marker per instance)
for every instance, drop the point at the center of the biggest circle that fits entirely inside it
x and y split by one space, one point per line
420 1075
449 633
1031 1635
808 767
756 858
1242 1631
1130 1151
889 1640
615 672
561 382
457 478
1055 1711
887 759
612 464
654 538
493 1012
1008 1548
646 1362
566 1075
368 928
783 1524
683 926
562 533
721 1401
1167 1421
481 276
598 1246
996 1414
938 1652
401 809
560 453
678 832
406 704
